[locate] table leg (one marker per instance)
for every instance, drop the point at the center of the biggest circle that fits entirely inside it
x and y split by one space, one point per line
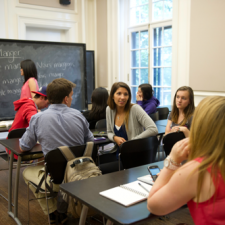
10 183
17 187
83 215
109 222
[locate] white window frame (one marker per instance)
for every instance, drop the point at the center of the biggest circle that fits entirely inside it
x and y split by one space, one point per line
151 28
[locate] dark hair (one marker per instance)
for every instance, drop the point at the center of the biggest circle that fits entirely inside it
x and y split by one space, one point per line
99 103
188 111
29 69
146 90
112 104
58 89
38 96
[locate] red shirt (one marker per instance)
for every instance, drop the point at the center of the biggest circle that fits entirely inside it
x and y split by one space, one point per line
25 108
212 211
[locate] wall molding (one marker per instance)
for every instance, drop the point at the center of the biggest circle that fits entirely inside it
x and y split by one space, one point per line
70 27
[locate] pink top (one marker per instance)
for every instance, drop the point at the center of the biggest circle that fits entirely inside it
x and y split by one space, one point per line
211 211
25 90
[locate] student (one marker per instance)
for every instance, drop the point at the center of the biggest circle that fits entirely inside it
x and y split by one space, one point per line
126 121
201 181
59 125
27 107
146 99
29 71
182 113
99 103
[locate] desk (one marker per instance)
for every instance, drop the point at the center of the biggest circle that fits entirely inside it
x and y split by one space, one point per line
4 129
13 145
161 129
161 122
87 191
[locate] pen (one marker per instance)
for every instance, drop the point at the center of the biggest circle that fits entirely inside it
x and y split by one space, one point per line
143 187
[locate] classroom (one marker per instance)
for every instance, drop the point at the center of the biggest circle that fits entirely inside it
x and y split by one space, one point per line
166 43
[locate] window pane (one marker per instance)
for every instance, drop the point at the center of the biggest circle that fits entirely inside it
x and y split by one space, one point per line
144 14
157 56
144 39
144 76
135 40
135 59
167 56
143 2
167 77
163 95
167 35
157 10
157 36
157 76
135 76
144 58
134 3
134 16
133 94
168 9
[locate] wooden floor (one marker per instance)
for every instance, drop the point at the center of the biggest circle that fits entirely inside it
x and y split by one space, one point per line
37 216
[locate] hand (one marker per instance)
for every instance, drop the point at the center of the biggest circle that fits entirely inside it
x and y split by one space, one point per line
175 129
119 140
180 151
138 97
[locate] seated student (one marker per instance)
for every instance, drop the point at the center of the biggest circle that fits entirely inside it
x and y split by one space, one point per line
182 113
59 125
99 103
201 181
146 99
126 121
27 107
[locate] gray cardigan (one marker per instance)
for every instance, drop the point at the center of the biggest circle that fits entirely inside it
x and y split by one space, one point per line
138 120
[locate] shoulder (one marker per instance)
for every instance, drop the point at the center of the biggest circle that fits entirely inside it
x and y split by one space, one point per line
109 110
136 108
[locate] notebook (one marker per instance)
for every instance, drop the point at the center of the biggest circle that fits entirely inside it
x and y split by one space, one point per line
128 194
7 123
100 133
146 179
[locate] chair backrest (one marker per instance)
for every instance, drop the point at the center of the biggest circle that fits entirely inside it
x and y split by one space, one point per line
170 140
138 152
154 116
56 163
100 124
17 133
163 113
92 124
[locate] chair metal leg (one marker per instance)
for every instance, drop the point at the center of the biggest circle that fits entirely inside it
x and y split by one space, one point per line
119 161
109 222
46 197
28 201
83 215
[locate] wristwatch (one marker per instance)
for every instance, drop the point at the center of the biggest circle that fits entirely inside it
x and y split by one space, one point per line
170 164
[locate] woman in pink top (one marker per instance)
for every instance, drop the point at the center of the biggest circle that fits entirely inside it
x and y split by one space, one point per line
29 71
201 181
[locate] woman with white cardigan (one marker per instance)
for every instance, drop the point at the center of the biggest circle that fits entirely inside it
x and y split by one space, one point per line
126 121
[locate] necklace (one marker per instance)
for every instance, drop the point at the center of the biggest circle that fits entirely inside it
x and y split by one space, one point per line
118 117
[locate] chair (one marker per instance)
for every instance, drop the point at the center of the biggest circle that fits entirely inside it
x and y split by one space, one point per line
138 152
170 140
163 113
55 165
100 124
154 116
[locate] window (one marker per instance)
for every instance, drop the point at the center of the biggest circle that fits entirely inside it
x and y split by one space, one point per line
151 49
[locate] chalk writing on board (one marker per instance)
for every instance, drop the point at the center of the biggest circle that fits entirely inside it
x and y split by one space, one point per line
10 55
63 65
43 65
14 91
13 81
12 66
56 75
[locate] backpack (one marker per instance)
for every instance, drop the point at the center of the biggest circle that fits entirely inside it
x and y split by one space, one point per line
77 169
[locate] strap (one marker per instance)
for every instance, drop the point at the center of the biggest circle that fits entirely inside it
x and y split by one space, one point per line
89 149
78 161
40 183
67 153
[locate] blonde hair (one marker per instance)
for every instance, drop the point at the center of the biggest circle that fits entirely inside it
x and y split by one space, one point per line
207 138
112 104
188 111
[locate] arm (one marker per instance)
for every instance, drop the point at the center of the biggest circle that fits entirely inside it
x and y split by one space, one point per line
89 136
32 86
29 112
29 138
176 187
168 130
146 122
